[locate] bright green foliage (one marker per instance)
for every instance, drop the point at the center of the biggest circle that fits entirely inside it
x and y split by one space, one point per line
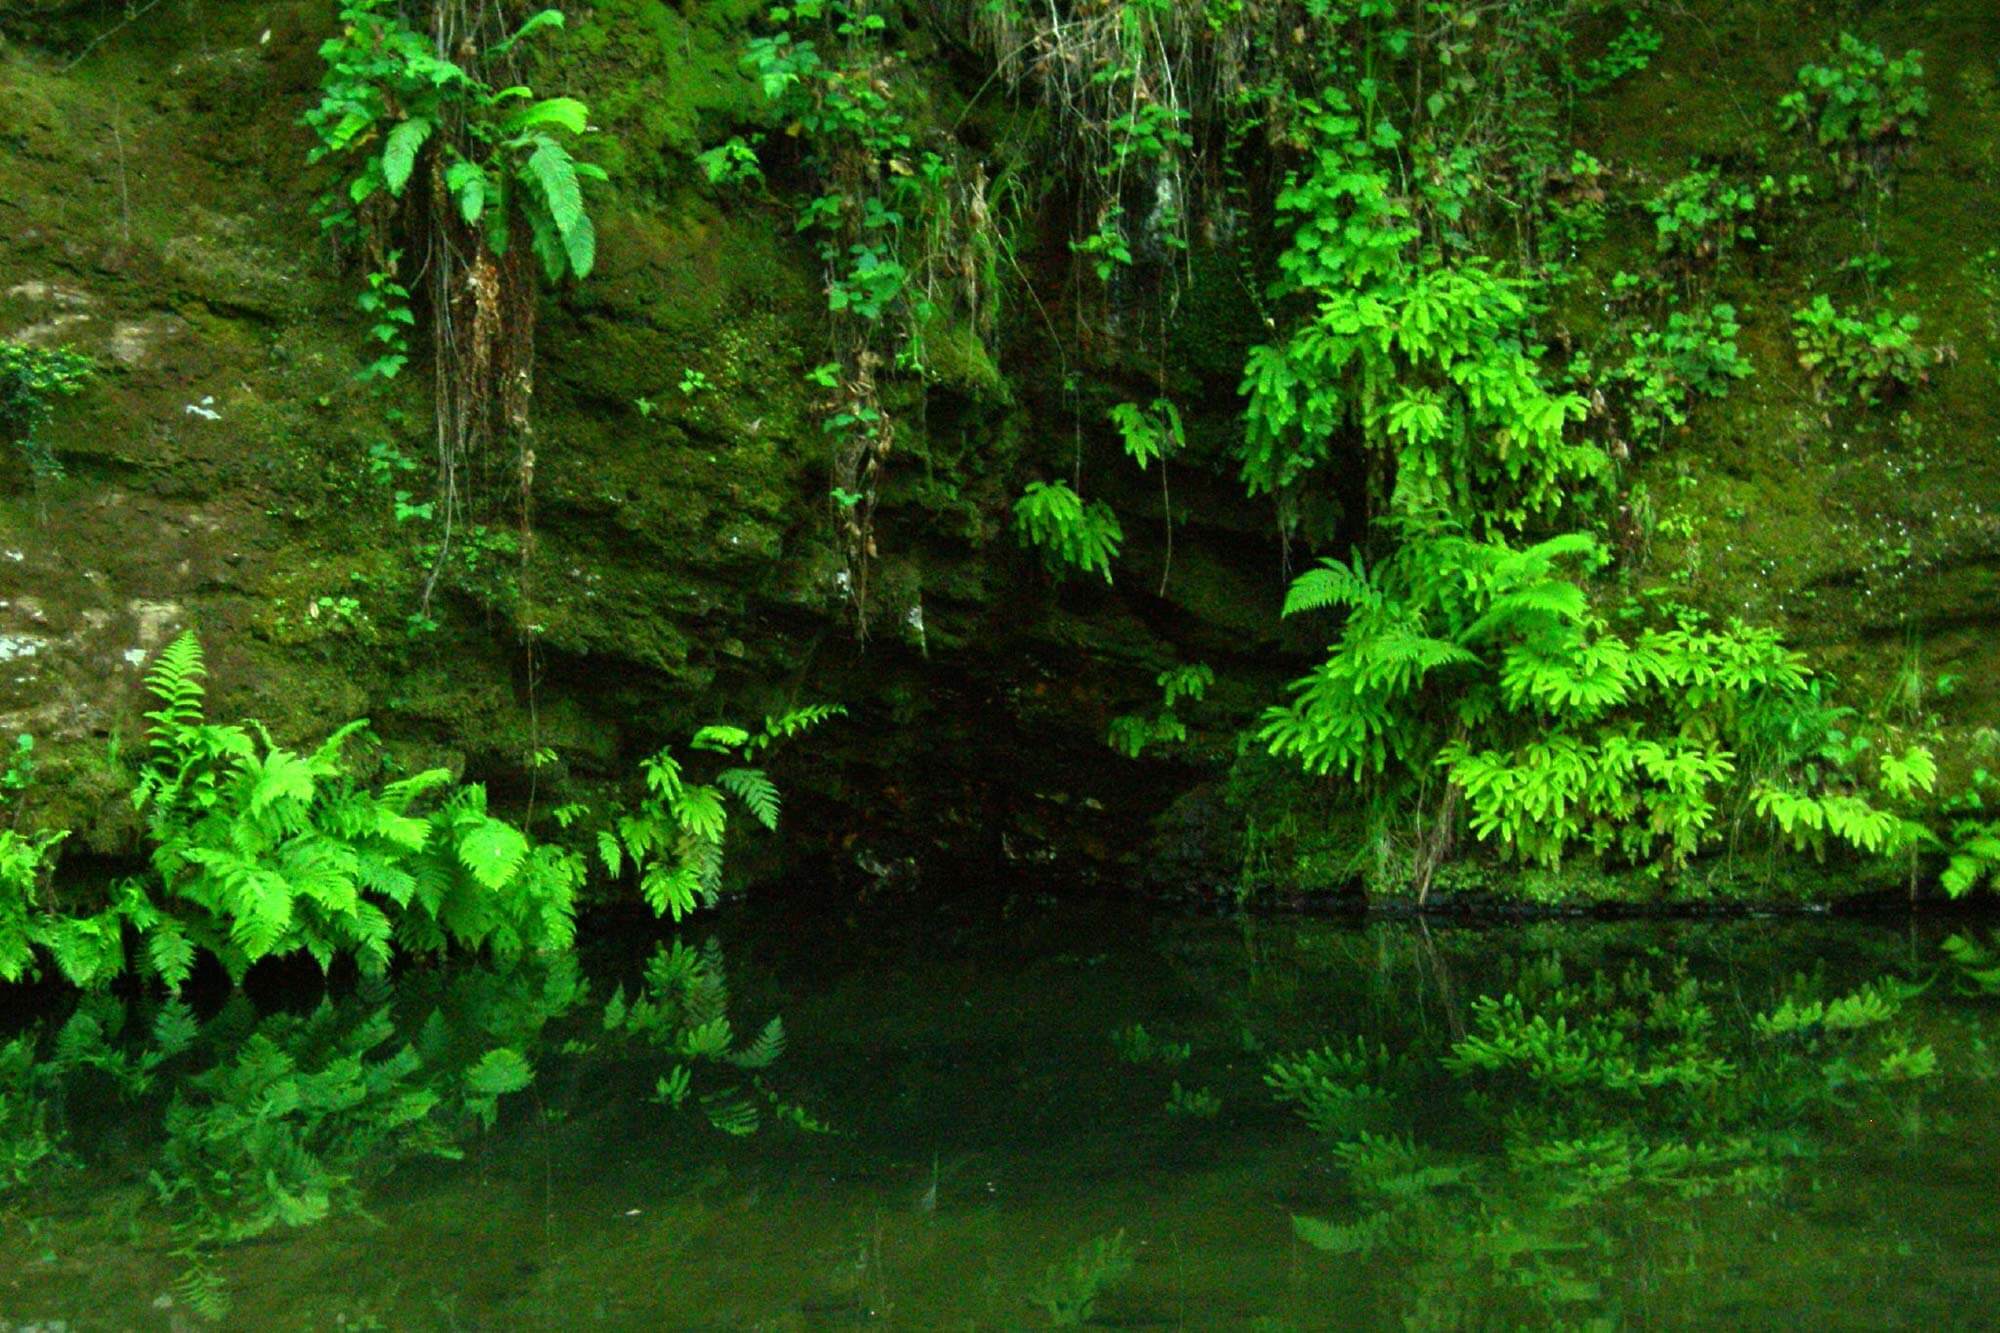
25 865
1069 1291
263 852
31 380
1130 734
1862 109
1149 432
1488 663
1874 356
1974 852
732 162
1430 359
1070 533
388 96
672 840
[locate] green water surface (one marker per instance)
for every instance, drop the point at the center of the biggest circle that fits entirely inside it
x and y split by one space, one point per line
965 1131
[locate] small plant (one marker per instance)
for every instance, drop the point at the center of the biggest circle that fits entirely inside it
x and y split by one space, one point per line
31 379
1069 1291
1136 1046
1631 51
672 840
389 96
387 302
694 382
732 162
1070 533
1132 733
1863 109
1875 355
1193 1103
1699 217
1695 355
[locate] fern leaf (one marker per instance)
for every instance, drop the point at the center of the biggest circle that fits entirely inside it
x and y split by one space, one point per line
757 792
580 245
718 739
170 954
1332 584
565 112
554 173
699 811
500 1071
768 1047
546 18
399 153
492 850
671 892
609 852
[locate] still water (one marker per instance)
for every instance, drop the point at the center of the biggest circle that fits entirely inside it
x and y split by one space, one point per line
1033 1117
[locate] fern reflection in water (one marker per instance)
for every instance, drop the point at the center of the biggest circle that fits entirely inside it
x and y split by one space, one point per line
258 1122
1713 1124
1583 1104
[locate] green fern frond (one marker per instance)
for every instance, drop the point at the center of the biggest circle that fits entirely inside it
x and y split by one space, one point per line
757 792
768 1047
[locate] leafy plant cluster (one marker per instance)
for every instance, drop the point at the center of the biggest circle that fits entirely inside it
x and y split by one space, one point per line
1693 356
1701 216
1485 666
1873 355
460 173
1070 532
1863 109
260 851
672 840
32 379
498 156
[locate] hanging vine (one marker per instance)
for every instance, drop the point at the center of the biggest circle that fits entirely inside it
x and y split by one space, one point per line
468 180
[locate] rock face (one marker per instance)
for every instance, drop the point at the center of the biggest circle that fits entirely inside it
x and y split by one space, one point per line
225 473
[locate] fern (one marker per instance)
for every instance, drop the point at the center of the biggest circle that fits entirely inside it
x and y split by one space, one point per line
758 794
672 839
1069 533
